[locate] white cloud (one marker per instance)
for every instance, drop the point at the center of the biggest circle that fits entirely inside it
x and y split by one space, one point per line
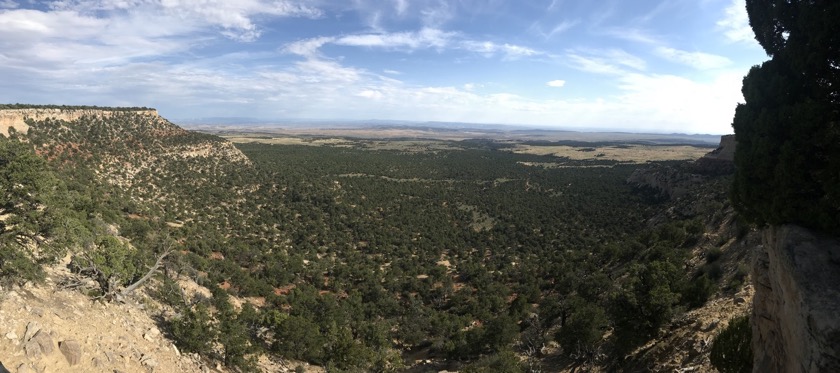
697 60
438 14
235 19
556 83
423 39
489 49
401 6
371 94
604 61
307 47
632 34
736 23
8 4
557 29
427 38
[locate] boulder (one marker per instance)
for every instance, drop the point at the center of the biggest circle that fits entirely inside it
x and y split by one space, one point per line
44 341
72 351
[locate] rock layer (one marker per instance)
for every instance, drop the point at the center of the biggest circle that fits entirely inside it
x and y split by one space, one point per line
796 308
16 118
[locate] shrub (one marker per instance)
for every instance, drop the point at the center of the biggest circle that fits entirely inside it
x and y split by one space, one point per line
731 349
193 331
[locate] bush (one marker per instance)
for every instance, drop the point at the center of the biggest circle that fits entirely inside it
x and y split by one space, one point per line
193 331
731 349
713 254
583 330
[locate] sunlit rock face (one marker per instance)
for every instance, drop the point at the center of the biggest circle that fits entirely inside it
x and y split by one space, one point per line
16 118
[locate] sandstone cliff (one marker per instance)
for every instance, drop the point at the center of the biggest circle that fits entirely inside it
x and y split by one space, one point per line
16 118
674 181
796 309
719 161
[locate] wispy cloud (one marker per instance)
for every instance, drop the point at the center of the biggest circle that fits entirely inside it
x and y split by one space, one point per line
307 47
423 39
235 19
736 24
401 6
697 60
427 38
636 35
508 51
556 83
557 29
437 14
604 61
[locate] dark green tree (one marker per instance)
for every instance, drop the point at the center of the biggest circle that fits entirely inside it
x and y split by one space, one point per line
731 349
788 131
27 193
193 331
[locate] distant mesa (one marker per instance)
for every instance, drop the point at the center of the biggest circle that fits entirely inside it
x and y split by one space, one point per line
14 116
674 182
720 161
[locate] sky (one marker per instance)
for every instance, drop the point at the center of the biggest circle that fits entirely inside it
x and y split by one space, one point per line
641 65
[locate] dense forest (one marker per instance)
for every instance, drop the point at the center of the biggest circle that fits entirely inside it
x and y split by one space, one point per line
361 259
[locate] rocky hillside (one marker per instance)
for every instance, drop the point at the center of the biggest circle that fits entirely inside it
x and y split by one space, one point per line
151 159
49 329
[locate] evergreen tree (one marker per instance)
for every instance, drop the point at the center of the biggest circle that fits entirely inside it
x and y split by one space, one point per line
788 131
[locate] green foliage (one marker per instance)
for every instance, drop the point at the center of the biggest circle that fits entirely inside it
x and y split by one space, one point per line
699 290
296 337
713 254
788 137
732 349
583 330
647 303
32 230
112 263
502 362
193 330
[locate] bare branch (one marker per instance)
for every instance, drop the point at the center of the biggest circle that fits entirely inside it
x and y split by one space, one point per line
130 288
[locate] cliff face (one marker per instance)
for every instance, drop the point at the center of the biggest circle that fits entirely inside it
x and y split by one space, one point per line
719 161
676 182
15 118
796 308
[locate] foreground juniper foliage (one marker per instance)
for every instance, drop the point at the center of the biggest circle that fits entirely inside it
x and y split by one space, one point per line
788 153
467 254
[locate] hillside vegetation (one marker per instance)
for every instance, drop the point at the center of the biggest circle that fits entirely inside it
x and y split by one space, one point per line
464 256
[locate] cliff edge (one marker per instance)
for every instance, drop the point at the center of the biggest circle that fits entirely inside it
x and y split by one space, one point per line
796 307
16 118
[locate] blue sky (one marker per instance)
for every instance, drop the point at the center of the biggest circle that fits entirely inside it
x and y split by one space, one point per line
642 65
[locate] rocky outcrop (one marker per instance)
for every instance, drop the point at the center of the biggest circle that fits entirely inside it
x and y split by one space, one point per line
720 161
16 118
675 181
796 308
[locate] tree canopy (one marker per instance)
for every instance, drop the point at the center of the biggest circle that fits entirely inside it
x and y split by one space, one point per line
788 154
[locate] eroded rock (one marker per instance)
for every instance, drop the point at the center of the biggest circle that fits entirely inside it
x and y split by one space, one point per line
71 350
795 320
